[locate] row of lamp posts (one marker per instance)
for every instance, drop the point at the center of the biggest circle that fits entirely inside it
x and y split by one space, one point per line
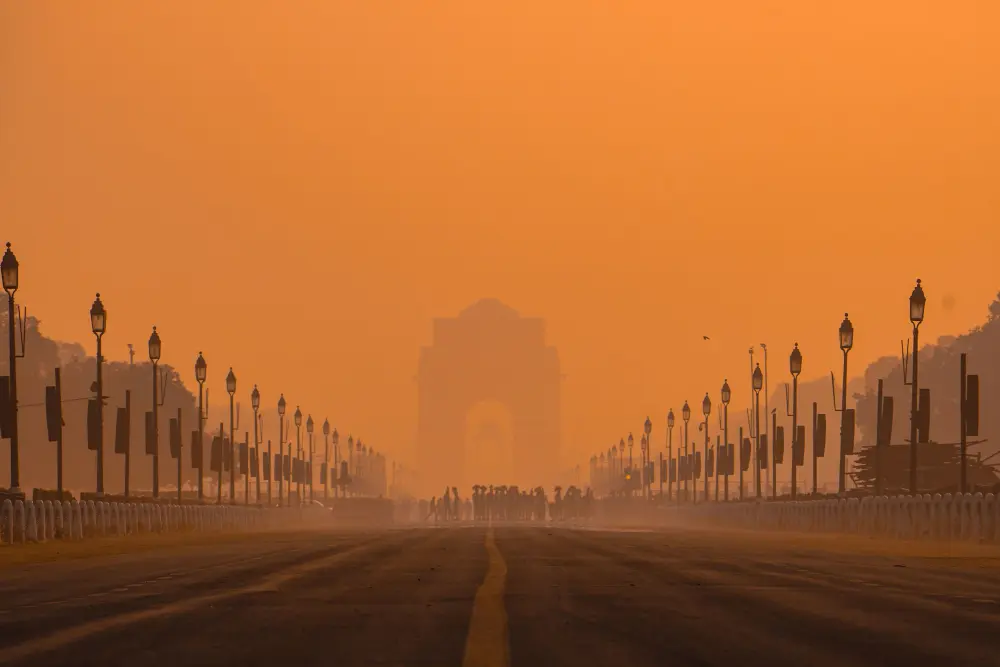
9 276
917 303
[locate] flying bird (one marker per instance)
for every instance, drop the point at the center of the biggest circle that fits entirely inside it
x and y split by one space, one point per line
705 337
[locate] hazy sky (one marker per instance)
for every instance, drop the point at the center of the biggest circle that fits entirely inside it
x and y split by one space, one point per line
299 188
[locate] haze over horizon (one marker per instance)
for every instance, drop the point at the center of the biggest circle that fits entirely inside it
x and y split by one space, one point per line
299 191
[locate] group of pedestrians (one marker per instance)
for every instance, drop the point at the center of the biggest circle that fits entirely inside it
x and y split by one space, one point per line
510 503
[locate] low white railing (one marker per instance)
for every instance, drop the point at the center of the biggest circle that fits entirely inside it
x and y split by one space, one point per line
39 521
962 517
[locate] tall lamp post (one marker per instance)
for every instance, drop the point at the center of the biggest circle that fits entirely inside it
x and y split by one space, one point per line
201 374
706 409
631 471
231 388
255 406
154 358
326 459
795 367
350 462
670 450
309 431
686 416
281 450
298 451
846 343
726 396
758 384
336 460
98 323
917 303
648 452
644 445
9 273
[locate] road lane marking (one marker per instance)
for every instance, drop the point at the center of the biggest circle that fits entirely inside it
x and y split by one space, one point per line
88 629
487 643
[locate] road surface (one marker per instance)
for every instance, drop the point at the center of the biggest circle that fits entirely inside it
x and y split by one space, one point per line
510 595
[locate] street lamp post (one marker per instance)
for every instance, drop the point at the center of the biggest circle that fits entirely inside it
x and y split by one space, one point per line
726 396
281 451
643 444
201 374
670 450
795 367
758 384
326 458
846 343
631 471
771 470
231 388
298 452
686 416
336 461
647 452
154 357
706 409
350 462
98 323
255 406
917 304
9 273
309 479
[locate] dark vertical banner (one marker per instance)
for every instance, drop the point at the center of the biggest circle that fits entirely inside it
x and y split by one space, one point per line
53 413
150 434
196 458
93 424
122 435
6 413
175 438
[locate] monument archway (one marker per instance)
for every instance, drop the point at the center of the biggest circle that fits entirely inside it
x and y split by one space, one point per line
488 354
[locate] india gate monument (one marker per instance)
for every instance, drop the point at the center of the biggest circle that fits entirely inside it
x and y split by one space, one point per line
488 400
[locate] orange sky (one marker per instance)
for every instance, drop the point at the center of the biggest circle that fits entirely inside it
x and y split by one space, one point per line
298 188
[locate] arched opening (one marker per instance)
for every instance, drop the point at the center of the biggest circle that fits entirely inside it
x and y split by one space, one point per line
489 444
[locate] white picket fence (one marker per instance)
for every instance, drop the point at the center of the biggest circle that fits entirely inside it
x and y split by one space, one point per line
31 521
962 517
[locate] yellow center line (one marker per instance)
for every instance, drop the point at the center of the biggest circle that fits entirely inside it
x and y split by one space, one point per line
486 645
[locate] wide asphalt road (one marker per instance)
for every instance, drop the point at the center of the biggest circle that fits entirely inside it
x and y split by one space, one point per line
510 595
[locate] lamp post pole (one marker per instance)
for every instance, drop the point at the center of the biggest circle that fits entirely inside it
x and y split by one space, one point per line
255 405
98 322
631 469
336 462
686 416
231 388
154 357
9 271
917 304
647 450
281 453
846 343
758 383
726 396
670 451
309 477
200 374
706 409
326 459
769 471
298 453
795 366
